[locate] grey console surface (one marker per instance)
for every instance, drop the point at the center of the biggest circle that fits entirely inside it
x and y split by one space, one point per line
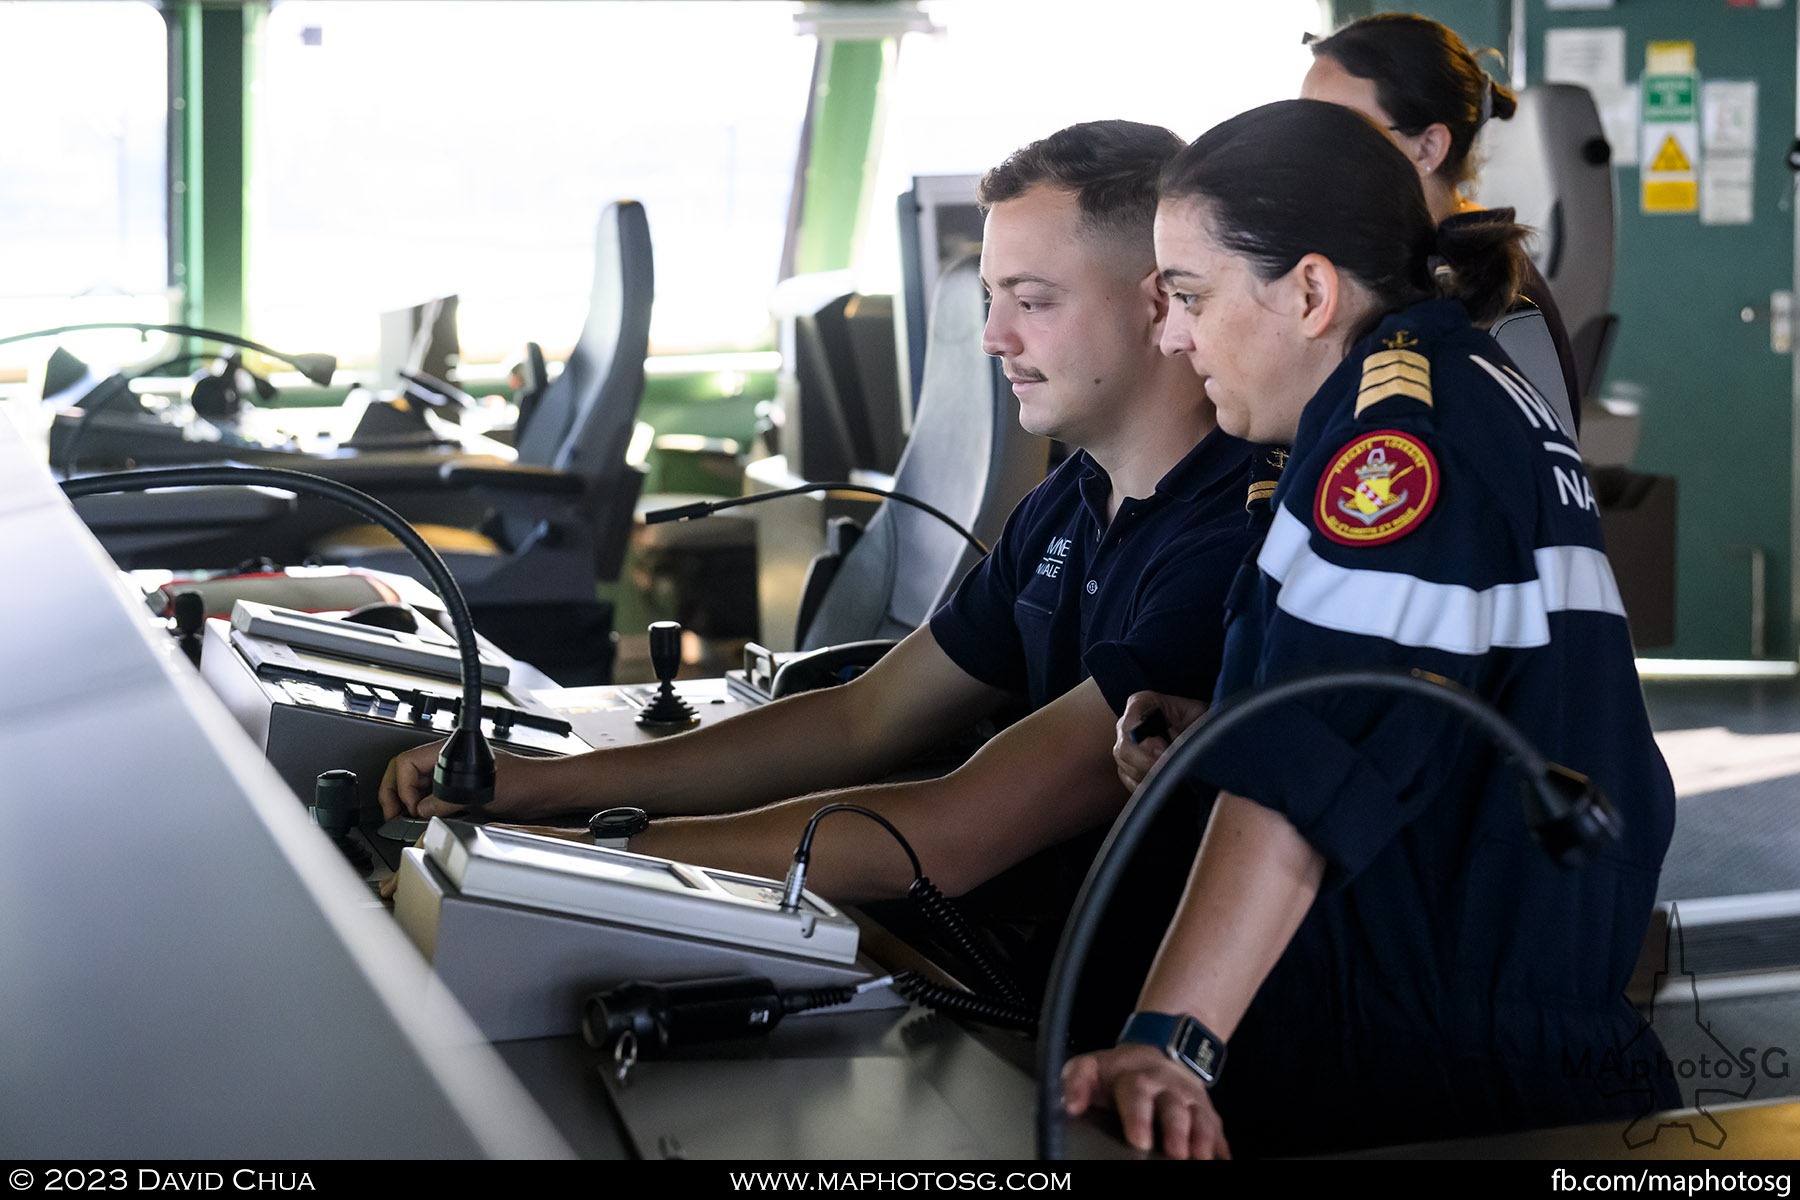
903 1084
165 1000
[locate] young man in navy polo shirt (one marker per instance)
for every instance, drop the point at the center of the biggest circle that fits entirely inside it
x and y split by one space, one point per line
1108 579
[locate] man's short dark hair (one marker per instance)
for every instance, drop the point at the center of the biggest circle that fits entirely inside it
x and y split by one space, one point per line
1111 166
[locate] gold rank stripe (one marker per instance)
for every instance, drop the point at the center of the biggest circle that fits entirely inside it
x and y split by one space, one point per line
1394 373
1262 489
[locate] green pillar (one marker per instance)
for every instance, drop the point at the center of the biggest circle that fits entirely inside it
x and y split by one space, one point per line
210 166
839 167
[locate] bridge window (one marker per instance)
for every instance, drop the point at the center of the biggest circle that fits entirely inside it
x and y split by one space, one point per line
1001 73
84 235
403 150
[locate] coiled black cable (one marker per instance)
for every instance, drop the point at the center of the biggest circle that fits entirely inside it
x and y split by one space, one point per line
949 919
801 1000
988 1011
1008 1010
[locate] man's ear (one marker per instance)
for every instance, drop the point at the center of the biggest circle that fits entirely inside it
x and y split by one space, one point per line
1150 288
1318 293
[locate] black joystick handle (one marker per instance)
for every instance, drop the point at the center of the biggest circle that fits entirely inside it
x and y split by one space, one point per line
334 806
190 620
334 809
666 709
665 649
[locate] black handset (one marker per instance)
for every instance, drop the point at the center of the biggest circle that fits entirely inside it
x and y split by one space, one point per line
1153 725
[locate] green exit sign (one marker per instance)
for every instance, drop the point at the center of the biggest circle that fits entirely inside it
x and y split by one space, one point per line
1668 97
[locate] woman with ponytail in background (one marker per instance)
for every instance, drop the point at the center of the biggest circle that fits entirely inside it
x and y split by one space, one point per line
1417 80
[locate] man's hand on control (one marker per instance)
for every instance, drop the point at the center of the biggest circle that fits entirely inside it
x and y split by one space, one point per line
1150 722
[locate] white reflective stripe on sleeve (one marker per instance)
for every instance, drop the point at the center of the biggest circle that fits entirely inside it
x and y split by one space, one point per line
1534 406
1441 616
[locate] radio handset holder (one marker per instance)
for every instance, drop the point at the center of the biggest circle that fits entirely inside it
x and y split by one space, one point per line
827 666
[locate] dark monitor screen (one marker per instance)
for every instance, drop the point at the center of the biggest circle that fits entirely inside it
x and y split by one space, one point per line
840 398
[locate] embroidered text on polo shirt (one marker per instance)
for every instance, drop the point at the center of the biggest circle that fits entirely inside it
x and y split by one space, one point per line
1050 566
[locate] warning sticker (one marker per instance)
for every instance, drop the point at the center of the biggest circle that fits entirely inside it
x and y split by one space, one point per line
1671 157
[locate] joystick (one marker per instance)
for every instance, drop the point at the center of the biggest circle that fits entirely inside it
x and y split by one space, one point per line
334 809
666 710
190 622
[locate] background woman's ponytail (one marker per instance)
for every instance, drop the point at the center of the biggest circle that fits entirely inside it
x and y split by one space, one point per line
1480 263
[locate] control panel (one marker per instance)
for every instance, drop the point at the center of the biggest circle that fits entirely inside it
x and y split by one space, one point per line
313 705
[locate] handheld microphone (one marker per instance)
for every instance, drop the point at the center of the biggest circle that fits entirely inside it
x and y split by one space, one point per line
464 774
657 1018
706 508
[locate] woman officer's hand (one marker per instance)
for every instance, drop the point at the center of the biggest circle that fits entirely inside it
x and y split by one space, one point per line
1154 1097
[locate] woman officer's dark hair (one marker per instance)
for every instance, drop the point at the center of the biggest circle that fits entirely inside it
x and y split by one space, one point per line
1423 75
1301 177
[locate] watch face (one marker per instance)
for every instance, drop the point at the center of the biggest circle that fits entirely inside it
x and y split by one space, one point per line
618 823
1196 1047
1203 1058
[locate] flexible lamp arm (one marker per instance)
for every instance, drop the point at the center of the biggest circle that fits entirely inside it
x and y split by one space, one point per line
465 768
706 508
317 367
1566 813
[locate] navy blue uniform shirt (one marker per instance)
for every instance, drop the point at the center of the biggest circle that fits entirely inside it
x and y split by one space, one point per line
1451 978
1137 604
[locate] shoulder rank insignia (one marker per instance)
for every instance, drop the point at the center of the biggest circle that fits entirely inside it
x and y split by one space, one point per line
1376 489
1265 472
1397 370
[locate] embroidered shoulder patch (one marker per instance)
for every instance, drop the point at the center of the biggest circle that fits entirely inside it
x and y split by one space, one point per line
1398 370
1379 487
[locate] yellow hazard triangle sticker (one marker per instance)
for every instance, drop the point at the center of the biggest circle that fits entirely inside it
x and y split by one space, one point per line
1671 157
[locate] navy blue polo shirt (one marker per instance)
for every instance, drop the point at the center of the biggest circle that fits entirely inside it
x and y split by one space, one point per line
1137 604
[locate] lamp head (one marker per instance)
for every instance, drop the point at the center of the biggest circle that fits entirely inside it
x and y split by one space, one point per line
464 774
317 367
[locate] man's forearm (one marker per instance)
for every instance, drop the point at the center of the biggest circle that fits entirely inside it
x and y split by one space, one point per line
913 699
853 859
1040 781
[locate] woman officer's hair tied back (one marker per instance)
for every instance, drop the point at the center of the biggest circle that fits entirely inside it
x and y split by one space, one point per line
1479 263
1301 177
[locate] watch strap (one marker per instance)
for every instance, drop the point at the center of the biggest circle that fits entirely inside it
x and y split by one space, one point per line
1182 1038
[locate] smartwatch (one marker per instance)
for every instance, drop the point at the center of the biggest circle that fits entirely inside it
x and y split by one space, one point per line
1181 1038
613 827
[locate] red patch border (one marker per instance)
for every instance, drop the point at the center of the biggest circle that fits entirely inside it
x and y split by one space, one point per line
1415 516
